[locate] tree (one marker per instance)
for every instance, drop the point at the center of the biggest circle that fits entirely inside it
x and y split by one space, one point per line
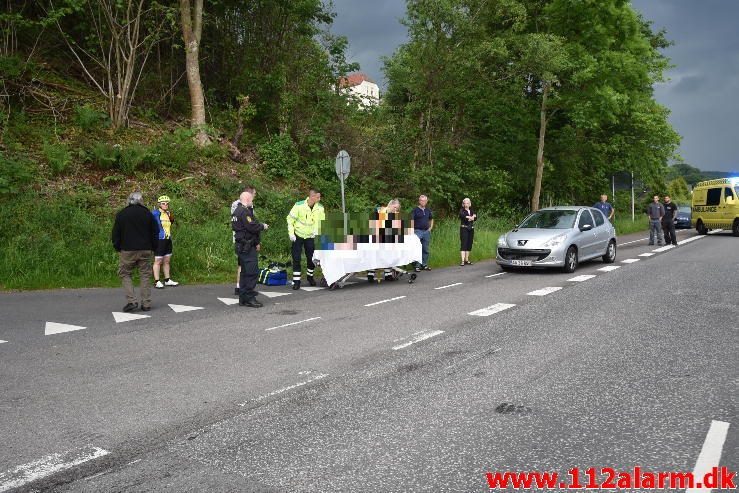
191 15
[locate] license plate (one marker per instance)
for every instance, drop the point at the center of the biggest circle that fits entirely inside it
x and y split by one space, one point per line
522 263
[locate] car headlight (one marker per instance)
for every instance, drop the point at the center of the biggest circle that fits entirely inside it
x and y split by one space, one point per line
502 241
556 241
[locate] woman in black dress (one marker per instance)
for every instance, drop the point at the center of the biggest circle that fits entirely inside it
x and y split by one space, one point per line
467 217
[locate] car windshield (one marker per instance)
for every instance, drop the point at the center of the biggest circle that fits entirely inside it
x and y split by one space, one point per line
559 219
684 209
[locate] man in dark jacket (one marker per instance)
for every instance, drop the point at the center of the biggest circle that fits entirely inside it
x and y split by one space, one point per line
135 236
247 232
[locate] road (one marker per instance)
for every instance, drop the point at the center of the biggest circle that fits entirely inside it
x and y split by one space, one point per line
379 388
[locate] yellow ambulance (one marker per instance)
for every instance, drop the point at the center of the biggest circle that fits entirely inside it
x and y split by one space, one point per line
716 205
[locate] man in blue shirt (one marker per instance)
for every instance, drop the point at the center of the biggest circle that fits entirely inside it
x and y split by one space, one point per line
605 207
423 223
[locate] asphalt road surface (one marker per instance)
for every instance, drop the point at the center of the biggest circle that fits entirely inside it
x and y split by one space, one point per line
379 388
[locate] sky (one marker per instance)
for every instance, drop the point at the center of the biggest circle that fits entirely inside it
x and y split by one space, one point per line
702 90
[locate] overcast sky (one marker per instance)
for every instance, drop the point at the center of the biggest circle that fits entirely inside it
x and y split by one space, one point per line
702 93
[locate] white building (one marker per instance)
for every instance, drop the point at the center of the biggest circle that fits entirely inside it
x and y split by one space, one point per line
362 87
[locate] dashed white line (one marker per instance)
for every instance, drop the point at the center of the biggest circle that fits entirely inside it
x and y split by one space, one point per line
609 268
449 285
544 291
630 242
185 308
3 342
494 275
292 323
688 240
582 278
492 309
647 254
47 466
52 328
710 455
229 301
664 248
385 301
713 232
418 337
629 260
319 376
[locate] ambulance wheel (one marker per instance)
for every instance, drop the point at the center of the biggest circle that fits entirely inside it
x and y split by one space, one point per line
701 228
735 227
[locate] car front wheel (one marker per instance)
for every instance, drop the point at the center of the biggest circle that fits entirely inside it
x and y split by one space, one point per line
610 255
570 260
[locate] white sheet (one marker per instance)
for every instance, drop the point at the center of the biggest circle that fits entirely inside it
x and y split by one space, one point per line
335 264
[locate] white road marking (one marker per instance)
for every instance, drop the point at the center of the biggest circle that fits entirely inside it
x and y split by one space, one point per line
630 242
47 466
286 389
629 260
272 294
688 240
492 309
3 342
418 337
609 268
664 248
544 291
385 301
449 285
55 328
648 254
582 278
229 301
495 275
293 323
127 317
185 308
312 288
714 231
710 455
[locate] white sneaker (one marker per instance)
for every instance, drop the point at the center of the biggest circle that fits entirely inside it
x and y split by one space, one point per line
159 285
171 283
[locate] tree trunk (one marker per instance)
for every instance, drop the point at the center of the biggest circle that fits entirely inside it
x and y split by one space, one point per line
540 151
192 21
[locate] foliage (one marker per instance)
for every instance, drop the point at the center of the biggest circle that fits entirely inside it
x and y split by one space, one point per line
104 155
279 156
88 118
58 156
678 190
15 173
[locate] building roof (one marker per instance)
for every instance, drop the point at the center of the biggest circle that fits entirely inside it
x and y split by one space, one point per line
354 79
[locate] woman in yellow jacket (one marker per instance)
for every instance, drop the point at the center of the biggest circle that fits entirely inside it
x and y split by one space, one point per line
303 225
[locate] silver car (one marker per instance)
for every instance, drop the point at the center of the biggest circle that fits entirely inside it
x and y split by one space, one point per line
558 237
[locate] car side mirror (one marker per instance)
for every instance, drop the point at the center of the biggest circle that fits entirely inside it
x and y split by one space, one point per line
586 227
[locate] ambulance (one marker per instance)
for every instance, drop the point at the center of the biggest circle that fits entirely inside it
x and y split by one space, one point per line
716 205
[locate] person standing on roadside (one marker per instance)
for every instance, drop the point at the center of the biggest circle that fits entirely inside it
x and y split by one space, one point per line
668 221
656 212
163 252
605 207
135 237
303 225
467 216
247 235
423 223
234 205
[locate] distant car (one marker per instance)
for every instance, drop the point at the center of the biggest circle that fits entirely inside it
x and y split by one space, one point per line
683 217
558 237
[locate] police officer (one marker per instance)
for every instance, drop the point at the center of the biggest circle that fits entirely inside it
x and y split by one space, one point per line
303 225
246 234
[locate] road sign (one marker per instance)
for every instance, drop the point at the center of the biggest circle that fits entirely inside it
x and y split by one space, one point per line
343 164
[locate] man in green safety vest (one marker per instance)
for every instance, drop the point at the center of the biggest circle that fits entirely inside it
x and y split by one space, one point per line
303 226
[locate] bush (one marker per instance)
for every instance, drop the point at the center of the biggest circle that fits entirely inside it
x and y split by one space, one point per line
132 157
104 155
15 172
173 151
58 157
279 156
88 118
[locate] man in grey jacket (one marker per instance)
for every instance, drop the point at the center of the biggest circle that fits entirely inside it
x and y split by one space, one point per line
656 212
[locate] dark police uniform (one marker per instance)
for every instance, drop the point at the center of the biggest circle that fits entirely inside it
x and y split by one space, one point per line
668 223
246 234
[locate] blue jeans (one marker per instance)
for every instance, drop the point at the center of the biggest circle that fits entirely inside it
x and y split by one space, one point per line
655 229
425 237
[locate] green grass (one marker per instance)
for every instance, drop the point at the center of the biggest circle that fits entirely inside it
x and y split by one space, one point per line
624 225
444 248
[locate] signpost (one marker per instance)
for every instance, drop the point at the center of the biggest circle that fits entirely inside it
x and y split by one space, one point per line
343 166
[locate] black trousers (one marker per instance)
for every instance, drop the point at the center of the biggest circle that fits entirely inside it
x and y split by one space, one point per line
249 274
668 228
300 244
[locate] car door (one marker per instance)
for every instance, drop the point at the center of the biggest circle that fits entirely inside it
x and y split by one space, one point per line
602 234
728 207
586 236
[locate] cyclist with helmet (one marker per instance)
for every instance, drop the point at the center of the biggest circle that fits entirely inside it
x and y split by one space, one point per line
163 254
